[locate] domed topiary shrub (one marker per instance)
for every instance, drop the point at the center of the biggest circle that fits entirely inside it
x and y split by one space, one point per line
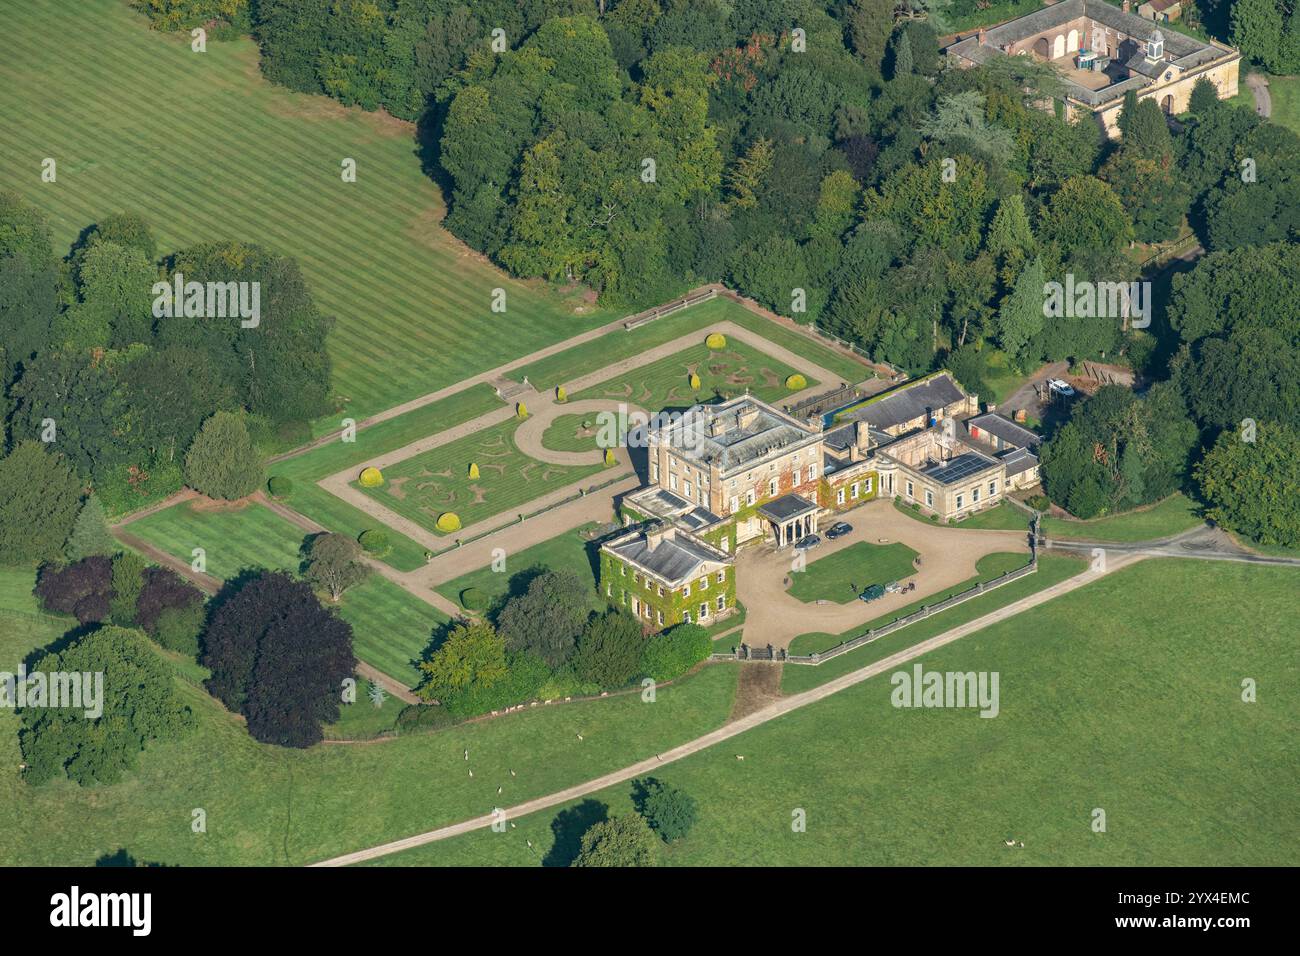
796 382
609 457
371 477
472 599
695 382
716 340
521 410
373 541
447 522
279 486
473 470
560 394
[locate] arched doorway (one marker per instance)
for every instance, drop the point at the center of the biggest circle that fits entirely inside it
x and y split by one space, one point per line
1041 47
1058 47
1167 104
1072 41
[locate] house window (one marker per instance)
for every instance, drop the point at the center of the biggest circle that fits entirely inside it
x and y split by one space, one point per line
672 482
909 489
654 471
771 487
959 502
686 591
722 576
722 602
993 487
812 472
704 610
688 489
857 487
622 569
649 585
636 577
624 598
866 487
796 477
661 617
609 589
636 606
686 617
726 543
661 590
734 504
749 497
704 583
839 495
929 498
975 495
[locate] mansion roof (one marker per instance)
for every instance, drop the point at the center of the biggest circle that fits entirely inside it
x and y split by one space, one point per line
666 552
909 402
733 434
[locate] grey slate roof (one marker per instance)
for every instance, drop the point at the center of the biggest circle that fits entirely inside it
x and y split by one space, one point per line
786 507
675 559
1005 429
734 445
1018 460
909 402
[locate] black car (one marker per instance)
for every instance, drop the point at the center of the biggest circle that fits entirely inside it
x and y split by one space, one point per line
838 530
806 542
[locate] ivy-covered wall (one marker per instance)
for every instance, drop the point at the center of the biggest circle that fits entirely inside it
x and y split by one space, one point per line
620 582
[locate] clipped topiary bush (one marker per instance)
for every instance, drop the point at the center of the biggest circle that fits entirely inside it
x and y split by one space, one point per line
371 477
695 381
795 382
447 522
373 541
609 457
473 470
521 410
472 599
560 394
279 486
716 340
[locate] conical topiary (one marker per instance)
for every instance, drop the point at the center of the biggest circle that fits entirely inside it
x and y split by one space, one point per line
695 382
521 410
609 456
473 470
560 394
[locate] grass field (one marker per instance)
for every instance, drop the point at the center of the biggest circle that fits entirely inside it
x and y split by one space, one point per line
390 628
1051 570
1001 517
566 552
584 432
424 486
273 806
206 149
1170 516
1284 96
1138 712
581 359
337 515
727 372
840 577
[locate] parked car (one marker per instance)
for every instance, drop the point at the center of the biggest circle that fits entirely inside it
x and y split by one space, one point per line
807 542
1061 387
893 587
872 593
838 530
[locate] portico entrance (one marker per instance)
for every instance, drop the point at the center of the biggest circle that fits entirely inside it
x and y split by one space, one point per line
790 517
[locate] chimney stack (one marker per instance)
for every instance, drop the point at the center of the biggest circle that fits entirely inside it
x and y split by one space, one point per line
1125 6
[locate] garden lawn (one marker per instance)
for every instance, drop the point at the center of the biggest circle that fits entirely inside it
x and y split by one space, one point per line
332 512
413 309
1167 517
566 552
580 432
16 591
391 629
1051 570
590 356
269 805
426 485
726 372
842 576
1001 517
1124 695
232 538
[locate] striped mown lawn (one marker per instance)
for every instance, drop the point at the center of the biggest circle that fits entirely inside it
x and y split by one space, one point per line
337 515
728 371
16 590
426 485
590 356
390 627
206 149
232 538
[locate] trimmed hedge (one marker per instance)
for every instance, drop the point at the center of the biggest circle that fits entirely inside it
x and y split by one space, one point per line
279 486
